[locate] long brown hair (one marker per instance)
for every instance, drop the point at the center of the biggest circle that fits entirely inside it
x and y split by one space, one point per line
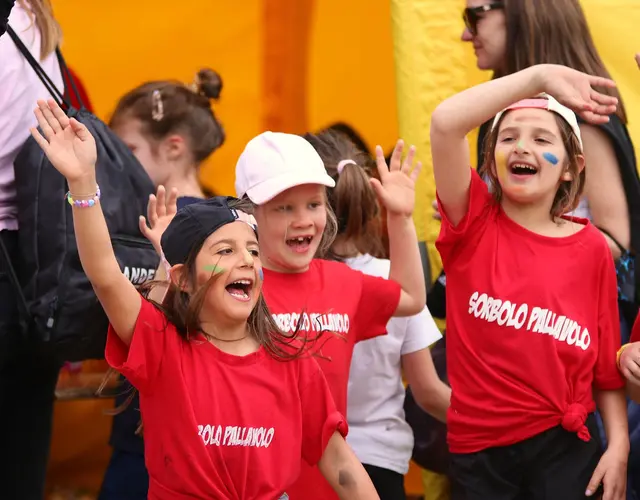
569 192
183 311
353 200
552 32
167 107
41 14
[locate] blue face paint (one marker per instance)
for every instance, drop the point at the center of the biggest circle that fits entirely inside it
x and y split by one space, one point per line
260 274
550 157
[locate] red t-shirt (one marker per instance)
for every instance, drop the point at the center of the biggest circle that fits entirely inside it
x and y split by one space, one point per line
532 326
330 297
218 425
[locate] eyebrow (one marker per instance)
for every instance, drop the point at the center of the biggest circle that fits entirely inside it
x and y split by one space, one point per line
539 130
232 242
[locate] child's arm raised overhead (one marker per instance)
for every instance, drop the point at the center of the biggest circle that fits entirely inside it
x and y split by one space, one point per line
458 115
396 191
72 151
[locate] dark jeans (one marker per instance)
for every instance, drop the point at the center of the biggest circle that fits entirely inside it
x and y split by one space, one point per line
389 484
553 465
28 377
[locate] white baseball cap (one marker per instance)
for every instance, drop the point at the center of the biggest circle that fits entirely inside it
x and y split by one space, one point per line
274 162
545 101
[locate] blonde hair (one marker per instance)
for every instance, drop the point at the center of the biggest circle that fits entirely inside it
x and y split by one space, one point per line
41 14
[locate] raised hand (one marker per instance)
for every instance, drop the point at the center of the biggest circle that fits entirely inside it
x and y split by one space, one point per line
576 90
67 143
396 187
161 210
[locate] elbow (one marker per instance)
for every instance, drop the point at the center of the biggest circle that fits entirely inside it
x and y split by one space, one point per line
414 304
442 123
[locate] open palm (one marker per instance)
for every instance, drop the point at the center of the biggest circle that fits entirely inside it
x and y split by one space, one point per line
396 188
576 90
67 143
161 210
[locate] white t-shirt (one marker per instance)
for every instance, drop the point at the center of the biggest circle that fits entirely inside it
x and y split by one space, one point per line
378 432
20 88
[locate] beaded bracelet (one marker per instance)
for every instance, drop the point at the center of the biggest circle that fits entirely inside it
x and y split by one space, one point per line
91 200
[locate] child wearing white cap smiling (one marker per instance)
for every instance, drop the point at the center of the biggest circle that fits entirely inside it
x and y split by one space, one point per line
532 315
286 179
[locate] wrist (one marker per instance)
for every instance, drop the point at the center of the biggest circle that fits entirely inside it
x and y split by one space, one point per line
619 446
536 78
398 217
83 186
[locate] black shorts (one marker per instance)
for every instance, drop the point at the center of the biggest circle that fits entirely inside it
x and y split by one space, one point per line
554 465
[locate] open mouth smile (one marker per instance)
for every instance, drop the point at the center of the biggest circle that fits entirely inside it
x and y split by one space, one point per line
300 244
240 289
523 169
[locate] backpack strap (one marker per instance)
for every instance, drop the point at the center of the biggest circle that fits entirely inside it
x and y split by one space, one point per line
42 75
66 74
622 249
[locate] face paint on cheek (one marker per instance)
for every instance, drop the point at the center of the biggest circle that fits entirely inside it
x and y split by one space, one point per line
260 274
214 269
501 164
550 157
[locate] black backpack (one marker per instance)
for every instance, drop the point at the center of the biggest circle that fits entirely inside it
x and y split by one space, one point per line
57 303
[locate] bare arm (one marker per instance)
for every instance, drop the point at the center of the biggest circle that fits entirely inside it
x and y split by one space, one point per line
344 472
396 190
71 149
431 394
603 188
613 408
456 117
404 256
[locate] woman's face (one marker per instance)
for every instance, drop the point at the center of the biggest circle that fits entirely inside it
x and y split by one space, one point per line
490 40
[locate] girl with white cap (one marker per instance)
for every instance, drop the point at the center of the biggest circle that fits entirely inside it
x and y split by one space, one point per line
285 178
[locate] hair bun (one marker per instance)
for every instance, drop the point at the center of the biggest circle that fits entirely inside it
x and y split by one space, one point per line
209 83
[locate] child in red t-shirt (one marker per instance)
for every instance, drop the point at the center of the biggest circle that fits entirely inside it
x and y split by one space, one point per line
229 404
532 317
285 178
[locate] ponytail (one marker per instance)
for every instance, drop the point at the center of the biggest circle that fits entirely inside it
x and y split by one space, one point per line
353 200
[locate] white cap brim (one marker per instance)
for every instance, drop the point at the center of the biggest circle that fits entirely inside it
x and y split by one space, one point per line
269 189
545 101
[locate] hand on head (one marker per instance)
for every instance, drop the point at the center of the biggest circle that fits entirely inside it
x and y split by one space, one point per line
396 187
576 90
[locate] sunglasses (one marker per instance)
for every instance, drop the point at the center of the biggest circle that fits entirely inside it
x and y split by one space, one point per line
472 15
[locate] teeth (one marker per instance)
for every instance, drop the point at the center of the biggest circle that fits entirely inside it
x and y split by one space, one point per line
242 282
523 166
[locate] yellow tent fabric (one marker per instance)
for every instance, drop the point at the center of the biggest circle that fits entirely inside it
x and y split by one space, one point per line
291 65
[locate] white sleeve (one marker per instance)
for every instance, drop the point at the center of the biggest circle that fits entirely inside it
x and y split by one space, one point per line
422 331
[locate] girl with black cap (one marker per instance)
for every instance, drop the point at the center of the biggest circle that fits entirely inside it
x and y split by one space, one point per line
225 416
